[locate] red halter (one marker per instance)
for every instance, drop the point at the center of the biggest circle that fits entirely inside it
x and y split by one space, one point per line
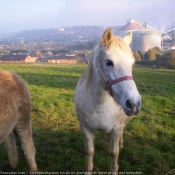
110 83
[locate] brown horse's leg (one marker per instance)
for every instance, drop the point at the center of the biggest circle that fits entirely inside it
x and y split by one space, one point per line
10 145
24 130
89 148
115 138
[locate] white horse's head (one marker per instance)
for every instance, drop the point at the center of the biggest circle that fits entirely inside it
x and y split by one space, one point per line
115 61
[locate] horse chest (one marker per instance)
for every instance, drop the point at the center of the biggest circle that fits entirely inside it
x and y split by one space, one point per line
105 116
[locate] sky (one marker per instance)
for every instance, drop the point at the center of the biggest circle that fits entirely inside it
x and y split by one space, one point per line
19 15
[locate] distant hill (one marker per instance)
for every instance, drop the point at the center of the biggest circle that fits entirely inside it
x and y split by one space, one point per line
6 35
65 34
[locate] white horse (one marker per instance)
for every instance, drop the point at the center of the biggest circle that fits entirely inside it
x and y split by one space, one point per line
15 112
106 96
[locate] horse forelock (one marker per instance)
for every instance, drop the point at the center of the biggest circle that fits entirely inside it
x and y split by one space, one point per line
119 44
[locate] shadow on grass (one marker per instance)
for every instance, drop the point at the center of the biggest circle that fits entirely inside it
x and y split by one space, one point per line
55 151
63 151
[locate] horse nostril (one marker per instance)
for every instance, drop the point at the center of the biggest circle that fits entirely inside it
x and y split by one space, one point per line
128 104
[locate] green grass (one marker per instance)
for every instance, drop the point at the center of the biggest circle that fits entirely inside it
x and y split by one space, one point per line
149 139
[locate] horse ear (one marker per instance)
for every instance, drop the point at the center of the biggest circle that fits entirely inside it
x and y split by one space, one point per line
128 38
107 37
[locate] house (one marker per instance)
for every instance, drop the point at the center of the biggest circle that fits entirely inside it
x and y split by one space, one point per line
42 60
48 54
17 58
63 59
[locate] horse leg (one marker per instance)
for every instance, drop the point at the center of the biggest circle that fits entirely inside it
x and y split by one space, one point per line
121 142
115 139
10 146
89 148
24 131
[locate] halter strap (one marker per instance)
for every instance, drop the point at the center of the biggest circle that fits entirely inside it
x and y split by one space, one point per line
118 80
112 82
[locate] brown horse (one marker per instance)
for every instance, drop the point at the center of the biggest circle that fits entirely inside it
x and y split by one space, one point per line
106 96
15 115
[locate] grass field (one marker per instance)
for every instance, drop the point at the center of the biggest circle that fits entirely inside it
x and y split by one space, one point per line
149 139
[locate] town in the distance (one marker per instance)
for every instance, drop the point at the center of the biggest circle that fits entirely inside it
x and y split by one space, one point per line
150 46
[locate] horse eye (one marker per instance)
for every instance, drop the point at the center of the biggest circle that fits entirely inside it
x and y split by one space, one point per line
109 63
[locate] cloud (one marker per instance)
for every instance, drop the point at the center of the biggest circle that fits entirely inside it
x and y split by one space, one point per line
16 15
116 12
87 12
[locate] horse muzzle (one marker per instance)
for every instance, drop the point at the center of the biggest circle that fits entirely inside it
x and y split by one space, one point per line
132 108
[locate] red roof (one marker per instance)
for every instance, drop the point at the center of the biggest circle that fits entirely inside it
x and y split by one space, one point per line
132 26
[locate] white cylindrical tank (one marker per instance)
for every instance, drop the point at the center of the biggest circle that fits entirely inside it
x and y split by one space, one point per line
143 37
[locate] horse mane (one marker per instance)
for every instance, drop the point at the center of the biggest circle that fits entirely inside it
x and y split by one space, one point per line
89 71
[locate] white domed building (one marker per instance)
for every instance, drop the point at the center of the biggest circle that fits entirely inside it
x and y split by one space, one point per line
143 36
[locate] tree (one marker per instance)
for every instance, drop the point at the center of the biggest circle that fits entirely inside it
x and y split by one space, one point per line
167 60
161 61
141 55
137 56
157 49
39 54
152 54
171 60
